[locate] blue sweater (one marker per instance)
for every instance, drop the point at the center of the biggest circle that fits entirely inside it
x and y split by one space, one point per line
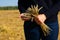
50 7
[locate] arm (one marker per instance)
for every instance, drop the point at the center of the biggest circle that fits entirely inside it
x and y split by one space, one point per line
22 10
20 6
53 11
46 13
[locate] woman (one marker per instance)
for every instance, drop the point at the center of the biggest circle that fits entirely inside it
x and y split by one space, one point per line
47 15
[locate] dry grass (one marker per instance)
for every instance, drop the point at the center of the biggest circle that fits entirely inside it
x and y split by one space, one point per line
11 26
59 25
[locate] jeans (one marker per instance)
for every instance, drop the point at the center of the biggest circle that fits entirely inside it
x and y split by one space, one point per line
35 32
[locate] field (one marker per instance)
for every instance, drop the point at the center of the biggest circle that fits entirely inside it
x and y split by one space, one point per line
11 26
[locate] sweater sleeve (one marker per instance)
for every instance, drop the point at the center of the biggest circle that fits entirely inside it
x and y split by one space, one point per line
53 11
20 6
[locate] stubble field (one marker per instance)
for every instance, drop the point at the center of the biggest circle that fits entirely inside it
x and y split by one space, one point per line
11 26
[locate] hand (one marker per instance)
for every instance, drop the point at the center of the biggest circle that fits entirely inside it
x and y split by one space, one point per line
40 18
23 17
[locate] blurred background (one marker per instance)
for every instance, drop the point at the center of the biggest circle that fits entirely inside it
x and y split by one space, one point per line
11 25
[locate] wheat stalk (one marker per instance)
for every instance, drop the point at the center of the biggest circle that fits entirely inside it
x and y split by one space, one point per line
34 11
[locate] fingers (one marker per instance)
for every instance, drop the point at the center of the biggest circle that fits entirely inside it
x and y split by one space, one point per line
37 20
23 17
40 19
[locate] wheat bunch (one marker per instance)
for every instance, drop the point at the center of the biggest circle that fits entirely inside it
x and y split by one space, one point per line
33 11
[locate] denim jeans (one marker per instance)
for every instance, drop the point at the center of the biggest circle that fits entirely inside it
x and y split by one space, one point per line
35 33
